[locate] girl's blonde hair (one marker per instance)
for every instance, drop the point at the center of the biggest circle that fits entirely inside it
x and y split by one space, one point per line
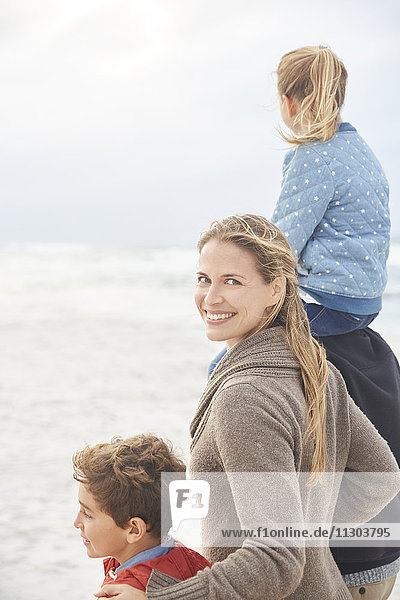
274 259
316 78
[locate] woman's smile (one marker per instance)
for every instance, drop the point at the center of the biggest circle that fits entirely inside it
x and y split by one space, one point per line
218 318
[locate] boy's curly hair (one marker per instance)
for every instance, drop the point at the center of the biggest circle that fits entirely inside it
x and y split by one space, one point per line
124 477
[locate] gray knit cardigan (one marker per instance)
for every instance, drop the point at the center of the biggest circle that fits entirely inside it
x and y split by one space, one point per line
252 417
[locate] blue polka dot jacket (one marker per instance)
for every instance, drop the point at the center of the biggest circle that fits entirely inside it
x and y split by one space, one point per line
333 209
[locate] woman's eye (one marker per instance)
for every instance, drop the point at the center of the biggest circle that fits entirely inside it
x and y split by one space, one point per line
203 279
233 282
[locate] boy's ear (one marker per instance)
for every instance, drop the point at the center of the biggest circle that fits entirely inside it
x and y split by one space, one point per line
135 529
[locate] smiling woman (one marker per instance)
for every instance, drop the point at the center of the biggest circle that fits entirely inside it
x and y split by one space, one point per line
232 297
272 405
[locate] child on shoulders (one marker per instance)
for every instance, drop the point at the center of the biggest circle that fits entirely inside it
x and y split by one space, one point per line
333 205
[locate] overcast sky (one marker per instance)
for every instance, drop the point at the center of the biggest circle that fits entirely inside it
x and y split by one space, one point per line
138 121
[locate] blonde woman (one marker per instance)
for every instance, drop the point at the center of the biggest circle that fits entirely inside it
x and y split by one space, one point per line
333 205
272 405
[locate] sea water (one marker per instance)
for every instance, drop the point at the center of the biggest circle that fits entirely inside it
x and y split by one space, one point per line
95 342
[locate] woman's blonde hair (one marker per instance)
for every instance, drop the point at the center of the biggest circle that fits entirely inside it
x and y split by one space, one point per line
316 79
274 258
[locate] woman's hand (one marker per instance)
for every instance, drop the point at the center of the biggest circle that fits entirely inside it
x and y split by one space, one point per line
120 592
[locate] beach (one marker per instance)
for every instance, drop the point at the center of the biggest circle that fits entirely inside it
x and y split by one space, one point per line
95 342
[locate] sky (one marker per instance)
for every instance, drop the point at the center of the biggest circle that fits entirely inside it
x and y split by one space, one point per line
137 122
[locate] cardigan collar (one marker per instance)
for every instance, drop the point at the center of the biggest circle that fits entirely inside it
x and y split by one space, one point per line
264 352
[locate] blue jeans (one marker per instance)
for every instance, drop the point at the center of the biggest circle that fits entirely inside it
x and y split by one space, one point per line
326 321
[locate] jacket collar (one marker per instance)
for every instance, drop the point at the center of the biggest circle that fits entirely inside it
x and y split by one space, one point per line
346 127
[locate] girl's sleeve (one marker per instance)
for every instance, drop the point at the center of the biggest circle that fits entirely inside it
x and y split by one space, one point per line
249 438
307 189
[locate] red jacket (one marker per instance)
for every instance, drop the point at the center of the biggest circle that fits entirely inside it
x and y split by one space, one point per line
179 562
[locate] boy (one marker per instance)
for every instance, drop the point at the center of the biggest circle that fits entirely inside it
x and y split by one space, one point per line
120 510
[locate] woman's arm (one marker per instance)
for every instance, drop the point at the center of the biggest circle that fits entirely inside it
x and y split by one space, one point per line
373 477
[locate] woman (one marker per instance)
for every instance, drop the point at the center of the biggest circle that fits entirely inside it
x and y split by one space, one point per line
273 404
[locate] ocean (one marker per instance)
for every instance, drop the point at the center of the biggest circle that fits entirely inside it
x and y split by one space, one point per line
95 342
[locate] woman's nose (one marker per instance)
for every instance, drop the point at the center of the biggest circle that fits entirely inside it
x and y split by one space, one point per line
77 522
213 295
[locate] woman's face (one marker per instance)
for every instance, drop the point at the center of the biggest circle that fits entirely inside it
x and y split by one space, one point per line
231 296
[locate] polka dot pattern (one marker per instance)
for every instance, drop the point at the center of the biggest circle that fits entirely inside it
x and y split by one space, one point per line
333 208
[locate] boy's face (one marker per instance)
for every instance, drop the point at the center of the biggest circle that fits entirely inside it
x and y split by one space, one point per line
101 535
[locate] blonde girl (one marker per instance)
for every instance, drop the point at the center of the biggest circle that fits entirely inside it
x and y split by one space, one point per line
333 205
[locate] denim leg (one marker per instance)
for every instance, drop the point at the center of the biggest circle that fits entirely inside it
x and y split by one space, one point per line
326 321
